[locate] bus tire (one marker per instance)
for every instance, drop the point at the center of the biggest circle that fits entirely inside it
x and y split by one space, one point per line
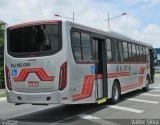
146 88
115 93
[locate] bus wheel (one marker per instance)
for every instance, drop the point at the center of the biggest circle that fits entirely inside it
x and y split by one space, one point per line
115 93
146 88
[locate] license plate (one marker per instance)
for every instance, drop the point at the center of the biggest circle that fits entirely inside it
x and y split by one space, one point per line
32 84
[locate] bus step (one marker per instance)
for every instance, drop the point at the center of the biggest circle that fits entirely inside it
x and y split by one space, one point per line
102 100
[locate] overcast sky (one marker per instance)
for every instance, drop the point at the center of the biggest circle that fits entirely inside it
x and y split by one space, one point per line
142 21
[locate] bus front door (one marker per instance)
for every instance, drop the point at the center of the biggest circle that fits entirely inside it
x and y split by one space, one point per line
98 47
152 67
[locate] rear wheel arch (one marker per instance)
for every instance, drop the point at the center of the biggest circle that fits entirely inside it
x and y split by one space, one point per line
147 83
118 82
116 92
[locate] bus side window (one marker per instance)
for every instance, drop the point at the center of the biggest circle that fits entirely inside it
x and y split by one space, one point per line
81 45
108 50
114 50
120 51
134 55
130 52
137 49
76 46
141 53
86 47
125 52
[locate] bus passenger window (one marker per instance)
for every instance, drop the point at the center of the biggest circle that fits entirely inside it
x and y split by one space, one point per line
120 51
141 53
85 40
76 39
76 46
138 58
134 54
114 50
108 50
86 47
81 44
130 52
77 54
125 52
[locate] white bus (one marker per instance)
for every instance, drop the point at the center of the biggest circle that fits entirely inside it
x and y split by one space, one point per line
48 62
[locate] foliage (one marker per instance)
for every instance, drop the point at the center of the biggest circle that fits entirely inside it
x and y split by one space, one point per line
1 78
2 28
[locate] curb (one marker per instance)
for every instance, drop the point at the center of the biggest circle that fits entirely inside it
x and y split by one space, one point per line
3 98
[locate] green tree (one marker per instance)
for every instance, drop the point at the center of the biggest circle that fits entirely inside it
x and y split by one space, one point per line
2 28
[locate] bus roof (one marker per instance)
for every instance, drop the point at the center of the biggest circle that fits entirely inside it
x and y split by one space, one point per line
108 33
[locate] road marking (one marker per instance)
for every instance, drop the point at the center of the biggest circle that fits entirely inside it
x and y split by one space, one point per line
126 109
140 100
96 119
3 99
156 95
72 117
155 90
84 116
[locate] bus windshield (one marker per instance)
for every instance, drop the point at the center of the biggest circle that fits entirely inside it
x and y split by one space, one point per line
35 39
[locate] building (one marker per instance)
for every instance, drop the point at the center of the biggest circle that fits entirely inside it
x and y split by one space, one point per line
157 64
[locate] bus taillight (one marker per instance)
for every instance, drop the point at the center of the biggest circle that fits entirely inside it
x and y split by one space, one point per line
63 76
8 79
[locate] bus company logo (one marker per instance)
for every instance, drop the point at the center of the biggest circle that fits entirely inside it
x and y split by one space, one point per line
32 83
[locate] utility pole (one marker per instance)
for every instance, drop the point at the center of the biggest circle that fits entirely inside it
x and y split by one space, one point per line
73 17
109 27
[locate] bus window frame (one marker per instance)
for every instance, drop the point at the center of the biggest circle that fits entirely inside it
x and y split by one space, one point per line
73 29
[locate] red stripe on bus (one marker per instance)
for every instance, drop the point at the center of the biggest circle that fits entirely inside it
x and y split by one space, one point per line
89 81
86 88
34 23
131 86
40 72
118 74
141 70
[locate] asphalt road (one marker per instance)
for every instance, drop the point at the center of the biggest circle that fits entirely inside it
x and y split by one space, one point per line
134 108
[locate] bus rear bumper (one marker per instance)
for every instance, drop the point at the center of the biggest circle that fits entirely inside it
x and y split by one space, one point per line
32 98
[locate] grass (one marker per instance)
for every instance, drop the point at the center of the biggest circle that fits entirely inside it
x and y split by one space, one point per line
157 74
3 94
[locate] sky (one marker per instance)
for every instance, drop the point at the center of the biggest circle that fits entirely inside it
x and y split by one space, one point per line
142 21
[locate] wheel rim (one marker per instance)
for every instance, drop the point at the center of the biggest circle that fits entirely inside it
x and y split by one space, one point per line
115 92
